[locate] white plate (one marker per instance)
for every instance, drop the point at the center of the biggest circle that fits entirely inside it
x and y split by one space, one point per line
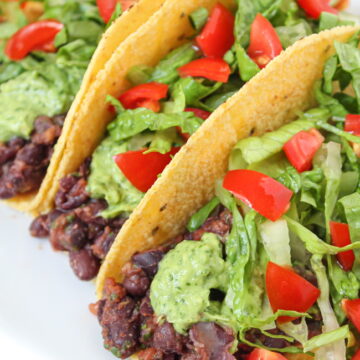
43 307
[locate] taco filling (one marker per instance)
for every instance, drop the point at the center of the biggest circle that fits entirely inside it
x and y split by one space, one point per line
166 104
45 48
269 268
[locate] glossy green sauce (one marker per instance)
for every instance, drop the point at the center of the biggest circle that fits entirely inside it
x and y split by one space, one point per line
180 290
106 181
24 98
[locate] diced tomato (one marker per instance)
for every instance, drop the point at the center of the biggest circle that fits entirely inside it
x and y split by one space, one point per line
131 98
342 5
352 310
356 356
314 8
302 147
265 43
352 124
107 7
153 105
217 36
262 354
340 236
212 69
31 37
202 114
141 169
261 192
339 4
48 47
287 290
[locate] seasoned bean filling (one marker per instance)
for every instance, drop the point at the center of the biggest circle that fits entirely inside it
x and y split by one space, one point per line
129 324
76 226
23 163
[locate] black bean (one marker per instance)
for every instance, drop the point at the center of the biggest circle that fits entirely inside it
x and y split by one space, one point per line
42 123
32 154
167 339
40 227
72 193
136 283
84 264
148 261
68 233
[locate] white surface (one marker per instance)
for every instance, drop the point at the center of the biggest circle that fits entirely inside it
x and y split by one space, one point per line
43 307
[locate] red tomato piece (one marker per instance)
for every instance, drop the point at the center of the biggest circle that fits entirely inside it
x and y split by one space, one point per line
48 47
265 43
261 192
314 8
153 105
302 147
352 310
217 36
262 354
202 114
342 5
107 7
131 98
141 169
340 237
31 37
352 124
356 356
212 69
288 291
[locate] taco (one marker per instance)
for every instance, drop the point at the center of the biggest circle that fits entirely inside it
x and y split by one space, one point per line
247 247
162 94
45 49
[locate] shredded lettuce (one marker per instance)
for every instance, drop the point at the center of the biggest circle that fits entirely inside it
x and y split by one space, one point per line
329 21
255 149
313 243
329 159
349 57
198 18
131 122
291 33
199 217
195 90
351 205
333 344
166 70
276 240
247 67
327 338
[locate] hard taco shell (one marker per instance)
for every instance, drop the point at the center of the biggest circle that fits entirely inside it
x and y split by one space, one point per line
273 97
121 29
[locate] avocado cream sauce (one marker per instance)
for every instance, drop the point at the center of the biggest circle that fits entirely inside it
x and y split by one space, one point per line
24 98
180 291
106 181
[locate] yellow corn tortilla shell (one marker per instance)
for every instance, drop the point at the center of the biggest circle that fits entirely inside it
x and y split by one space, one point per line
273 97
89 114
122 28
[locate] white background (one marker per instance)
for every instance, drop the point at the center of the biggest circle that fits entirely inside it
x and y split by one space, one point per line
43 307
